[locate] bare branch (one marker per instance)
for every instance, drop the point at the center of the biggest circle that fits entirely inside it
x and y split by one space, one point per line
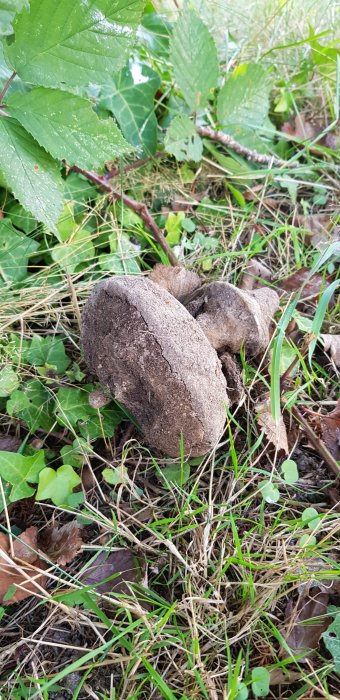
227 140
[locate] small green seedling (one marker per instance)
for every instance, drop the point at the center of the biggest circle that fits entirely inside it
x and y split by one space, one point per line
290 471
260 681
270 493
311 517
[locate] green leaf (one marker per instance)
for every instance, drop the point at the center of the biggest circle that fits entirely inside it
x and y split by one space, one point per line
122 260
243 102
47 350
57 485
20 218
8 9
311 517
9 381
30 172
129 95
260 681
33 404
58 44
242 692
20 471
15 250
307 540
177 473
182 140
270 493
115 475
194 58
173 227
331 640
74 412
77 250
67 127
290 471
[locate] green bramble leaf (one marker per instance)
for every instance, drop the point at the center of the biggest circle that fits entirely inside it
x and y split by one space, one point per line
57 485
129 95
15 250
8 9
243 103
67 127
260 681
9 381
182 140
61 45
290 471
20 472
193 55
33 404
30 172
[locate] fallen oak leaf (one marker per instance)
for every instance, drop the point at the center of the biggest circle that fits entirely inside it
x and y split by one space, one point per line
19 581
319 228
332 343
304 130
62 544
304 627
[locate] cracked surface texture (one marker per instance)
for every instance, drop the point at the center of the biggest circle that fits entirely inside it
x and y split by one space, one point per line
155 359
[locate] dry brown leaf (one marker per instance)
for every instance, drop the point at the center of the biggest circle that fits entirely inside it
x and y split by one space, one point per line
302 635
320 228
176 280
330 430
332 343
61 545
254 273
26 580
295 281
304 130
280 676
120 568
9 443
275 433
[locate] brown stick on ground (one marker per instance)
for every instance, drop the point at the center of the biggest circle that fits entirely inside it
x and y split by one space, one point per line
316 442
227 140
138 207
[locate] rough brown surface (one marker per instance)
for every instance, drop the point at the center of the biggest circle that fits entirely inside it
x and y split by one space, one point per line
155 359
232 318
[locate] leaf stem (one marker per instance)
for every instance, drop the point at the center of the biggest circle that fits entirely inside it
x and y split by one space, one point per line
6 86
138 207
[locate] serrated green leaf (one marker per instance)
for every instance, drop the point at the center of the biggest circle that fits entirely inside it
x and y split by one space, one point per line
33 404
193 55
57 485
182 140
243 103
129 95
331 640
77 250
9 381
67 127
20 471
47 350
30 172
15 250
58 44
260 681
